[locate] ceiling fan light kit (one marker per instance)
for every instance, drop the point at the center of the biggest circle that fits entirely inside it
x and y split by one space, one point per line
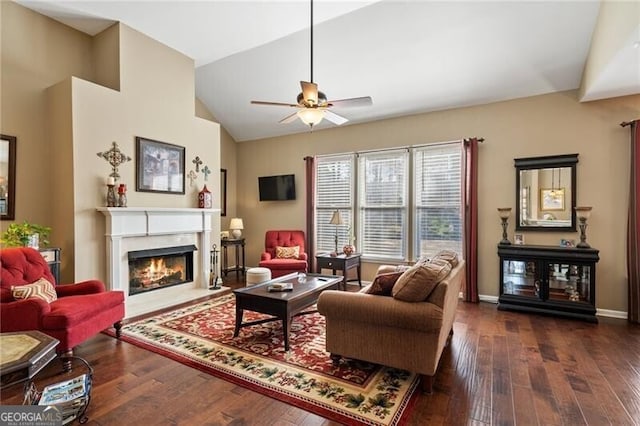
312 104
311 116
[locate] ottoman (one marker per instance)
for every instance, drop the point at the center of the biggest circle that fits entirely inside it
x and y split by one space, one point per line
257 275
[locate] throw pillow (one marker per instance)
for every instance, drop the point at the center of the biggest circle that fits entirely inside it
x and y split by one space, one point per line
287 252
41 289
383 283
416 284
448 255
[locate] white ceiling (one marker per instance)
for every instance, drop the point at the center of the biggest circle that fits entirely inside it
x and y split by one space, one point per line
409 56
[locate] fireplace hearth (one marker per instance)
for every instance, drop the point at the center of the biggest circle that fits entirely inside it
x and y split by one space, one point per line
160 268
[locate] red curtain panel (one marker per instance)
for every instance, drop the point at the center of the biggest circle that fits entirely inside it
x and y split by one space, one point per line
470 200
633 236
310 186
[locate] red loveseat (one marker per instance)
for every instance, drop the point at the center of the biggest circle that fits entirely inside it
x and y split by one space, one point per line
80 311
283 266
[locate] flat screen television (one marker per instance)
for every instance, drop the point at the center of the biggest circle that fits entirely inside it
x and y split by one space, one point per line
277 188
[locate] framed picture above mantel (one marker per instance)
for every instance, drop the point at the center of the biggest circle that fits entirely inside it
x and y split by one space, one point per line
159 166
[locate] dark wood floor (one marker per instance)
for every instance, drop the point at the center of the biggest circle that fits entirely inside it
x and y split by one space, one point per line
501 368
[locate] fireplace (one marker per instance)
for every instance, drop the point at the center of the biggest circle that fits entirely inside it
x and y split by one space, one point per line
130 230
159 268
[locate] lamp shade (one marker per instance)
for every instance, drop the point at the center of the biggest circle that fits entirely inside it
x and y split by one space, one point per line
311 116
336 219
583 212
504 212
236 223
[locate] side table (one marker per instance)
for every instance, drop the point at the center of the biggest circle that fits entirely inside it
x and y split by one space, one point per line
340 262
238 243
23 354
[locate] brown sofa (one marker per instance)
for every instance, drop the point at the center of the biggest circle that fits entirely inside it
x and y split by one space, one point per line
383 330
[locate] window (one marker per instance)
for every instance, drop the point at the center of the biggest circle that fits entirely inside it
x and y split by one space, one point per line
382 204
373 196
334 191
437 199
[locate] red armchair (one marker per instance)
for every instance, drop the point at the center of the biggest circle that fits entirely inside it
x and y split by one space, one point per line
283 266
80 311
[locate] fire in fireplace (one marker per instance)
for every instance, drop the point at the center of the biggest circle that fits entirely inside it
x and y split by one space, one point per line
159 268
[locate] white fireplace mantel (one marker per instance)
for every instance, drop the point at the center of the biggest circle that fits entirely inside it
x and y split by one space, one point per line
140 222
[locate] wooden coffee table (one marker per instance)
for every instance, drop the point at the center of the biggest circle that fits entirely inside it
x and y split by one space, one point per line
282 305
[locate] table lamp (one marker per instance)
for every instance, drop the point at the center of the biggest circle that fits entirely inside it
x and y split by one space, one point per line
336 219
236 226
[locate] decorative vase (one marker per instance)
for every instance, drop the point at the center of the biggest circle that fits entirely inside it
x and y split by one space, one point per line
205 199
348 249
122 195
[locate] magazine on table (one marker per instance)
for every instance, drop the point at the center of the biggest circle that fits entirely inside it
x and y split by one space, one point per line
64 392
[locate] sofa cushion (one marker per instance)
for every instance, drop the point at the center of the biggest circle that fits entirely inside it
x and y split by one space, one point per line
287 252
416 284
448 255
41 289
383 283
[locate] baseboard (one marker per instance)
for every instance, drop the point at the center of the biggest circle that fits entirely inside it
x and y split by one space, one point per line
612 314
599 312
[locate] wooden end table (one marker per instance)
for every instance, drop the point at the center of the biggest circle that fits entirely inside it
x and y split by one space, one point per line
23 354
239 244
340 262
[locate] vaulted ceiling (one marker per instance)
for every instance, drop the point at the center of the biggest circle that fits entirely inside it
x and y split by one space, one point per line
410 56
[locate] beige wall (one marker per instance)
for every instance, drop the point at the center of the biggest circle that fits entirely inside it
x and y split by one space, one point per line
227 161
37 52
541 125
63 119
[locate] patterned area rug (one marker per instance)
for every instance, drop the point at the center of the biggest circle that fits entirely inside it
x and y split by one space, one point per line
201 336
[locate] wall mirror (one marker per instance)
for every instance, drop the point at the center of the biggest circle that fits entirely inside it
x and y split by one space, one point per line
546 193
7 177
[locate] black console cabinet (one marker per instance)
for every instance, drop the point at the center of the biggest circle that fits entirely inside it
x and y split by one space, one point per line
548 279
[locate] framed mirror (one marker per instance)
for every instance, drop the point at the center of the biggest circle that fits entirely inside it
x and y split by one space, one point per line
546 193
7 177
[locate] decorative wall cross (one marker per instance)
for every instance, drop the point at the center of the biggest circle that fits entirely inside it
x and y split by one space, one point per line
206 171
192 177
197 161
115 157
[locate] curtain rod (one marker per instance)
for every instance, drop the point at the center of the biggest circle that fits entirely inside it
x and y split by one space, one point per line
627 123
397 148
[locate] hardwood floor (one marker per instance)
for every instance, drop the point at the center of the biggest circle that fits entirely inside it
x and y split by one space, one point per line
502 368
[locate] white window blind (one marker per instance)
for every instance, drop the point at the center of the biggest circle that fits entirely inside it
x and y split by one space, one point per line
334 191
382 189
437 199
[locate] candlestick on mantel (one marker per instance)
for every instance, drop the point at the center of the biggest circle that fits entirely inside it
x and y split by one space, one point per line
111 180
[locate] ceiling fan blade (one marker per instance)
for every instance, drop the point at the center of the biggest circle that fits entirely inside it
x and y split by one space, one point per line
334 118
274 104
352 102
289 118
309 92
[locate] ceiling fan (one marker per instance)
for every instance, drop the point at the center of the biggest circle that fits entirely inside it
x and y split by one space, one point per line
312 104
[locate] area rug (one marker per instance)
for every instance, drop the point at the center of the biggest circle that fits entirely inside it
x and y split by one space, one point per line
201 336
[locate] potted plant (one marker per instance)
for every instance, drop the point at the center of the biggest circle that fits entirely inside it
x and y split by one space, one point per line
25 234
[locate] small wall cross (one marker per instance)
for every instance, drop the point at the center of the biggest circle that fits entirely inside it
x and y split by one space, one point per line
197 161
114 157
192 177
206 171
